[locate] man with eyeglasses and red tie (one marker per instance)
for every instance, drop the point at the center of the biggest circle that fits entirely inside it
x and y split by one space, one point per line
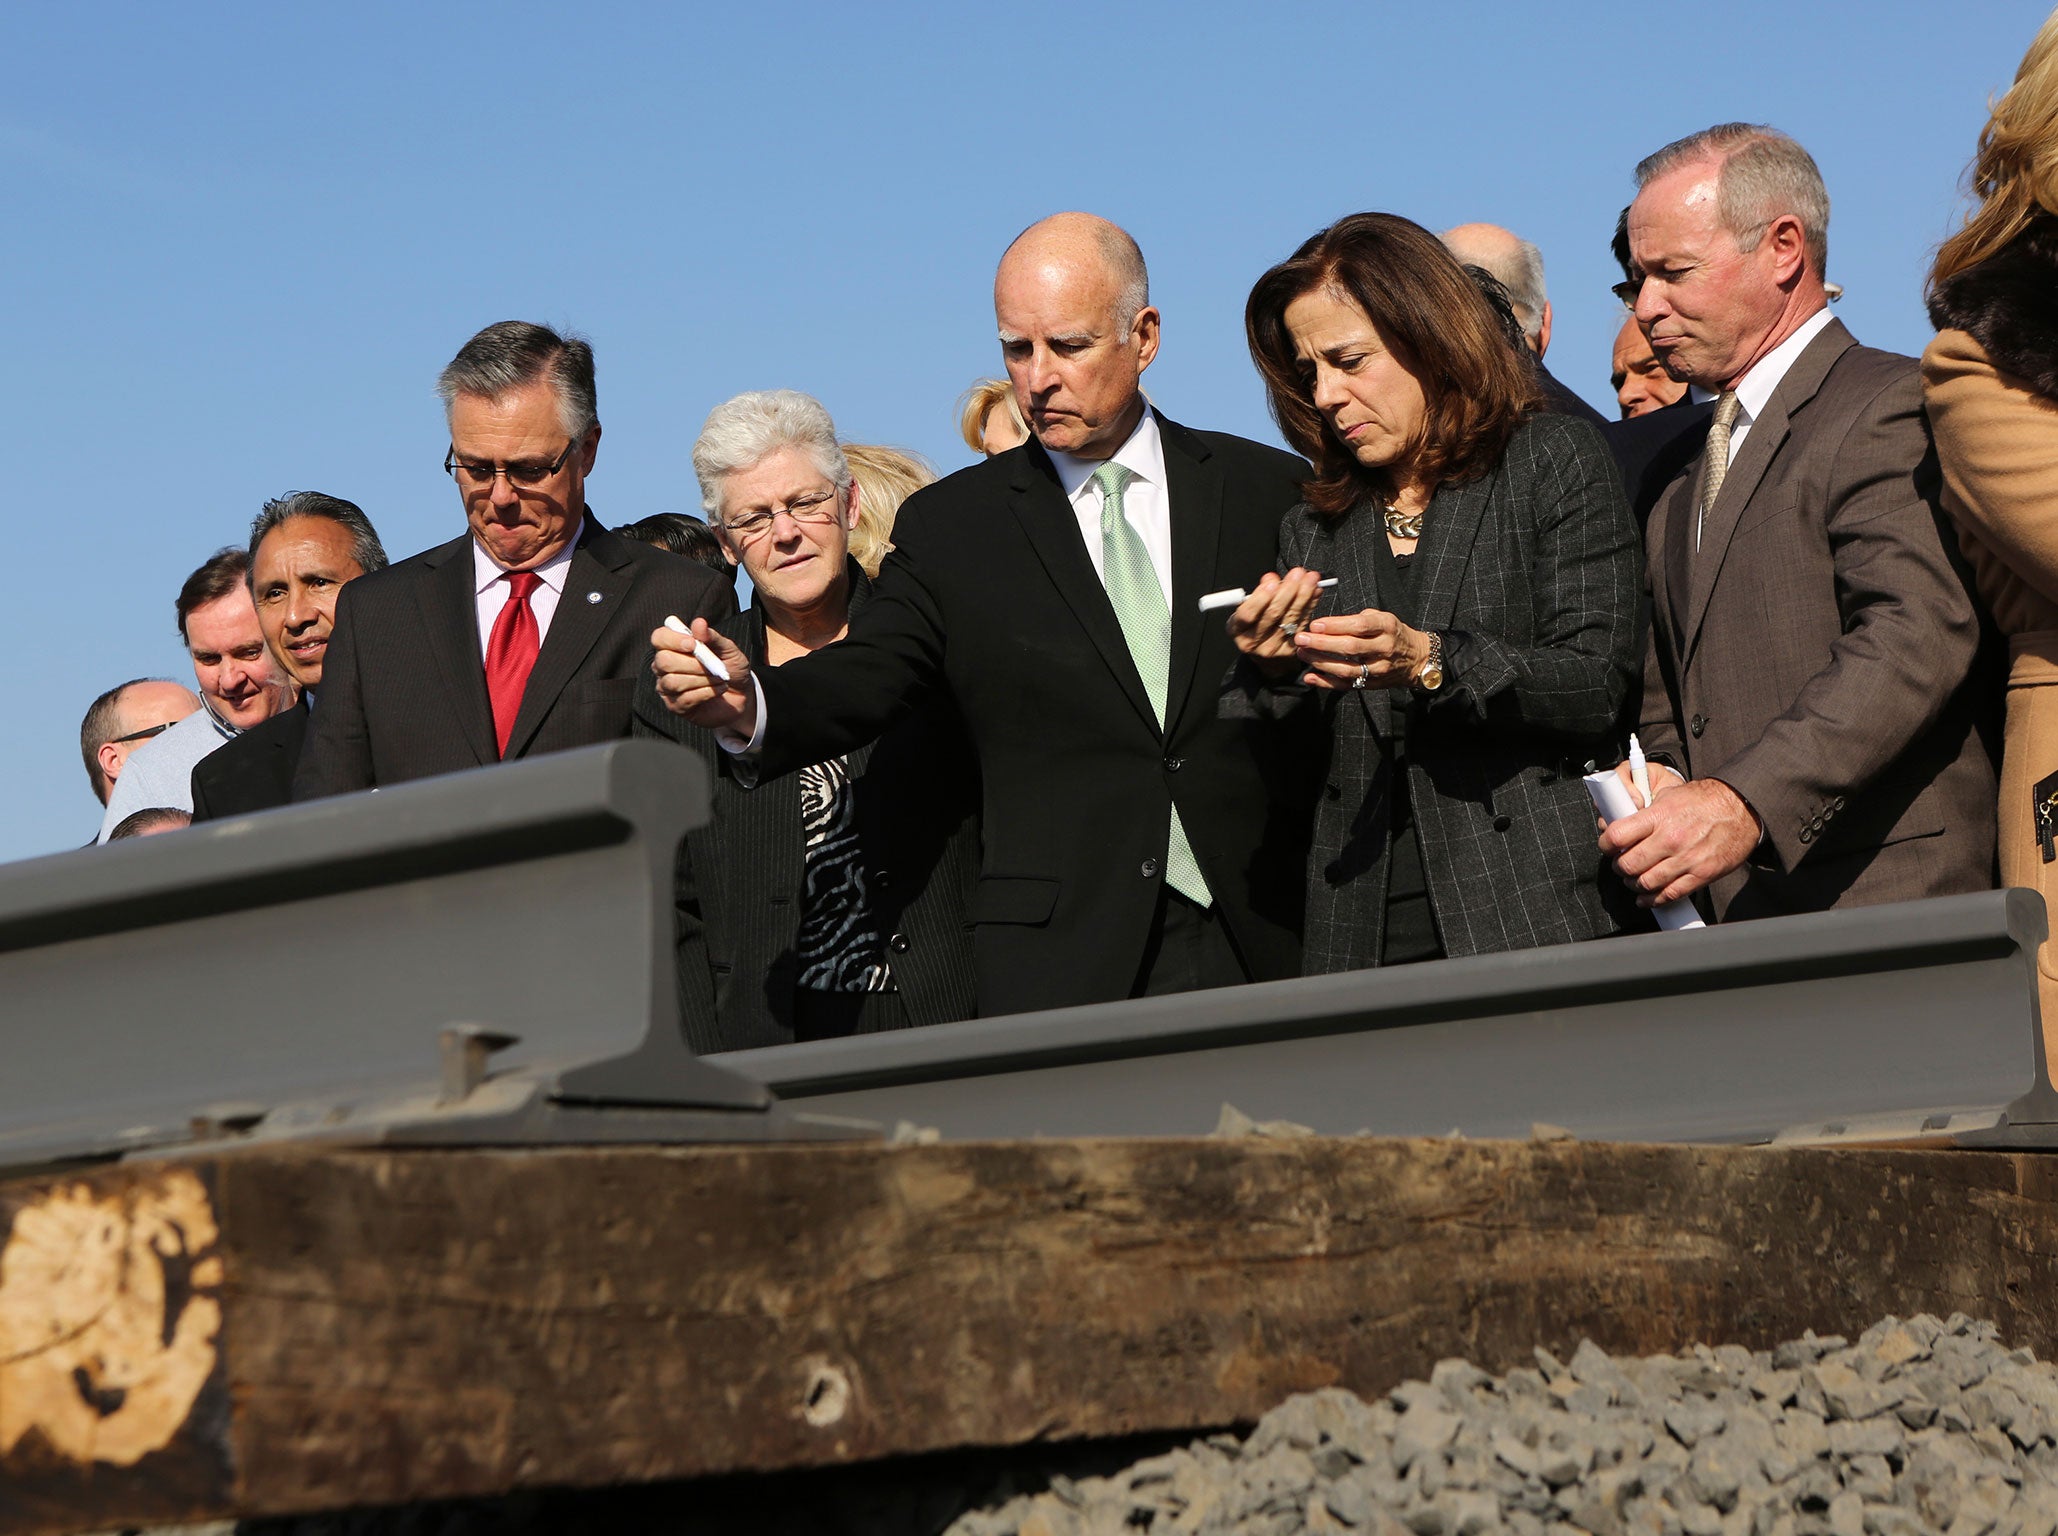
527 633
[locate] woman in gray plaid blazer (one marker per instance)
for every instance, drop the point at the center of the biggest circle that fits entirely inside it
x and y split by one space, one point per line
1473 657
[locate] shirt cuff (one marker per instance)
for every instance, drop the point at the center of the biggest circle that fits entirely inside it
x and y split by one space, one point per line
733 742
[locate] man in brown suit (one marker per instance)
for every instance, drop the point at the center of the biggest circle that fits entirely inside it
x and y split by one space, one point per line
1813 643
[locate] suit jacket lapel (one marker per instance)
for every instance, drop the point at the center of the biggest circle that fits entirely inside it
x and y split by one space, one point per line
451 618
1768 433
601 563
1040 506
1194 497
1448 533
1355 563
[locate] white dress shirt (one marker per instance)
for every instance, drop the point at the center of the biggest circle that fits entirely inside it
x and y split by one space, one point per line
490 582
1146 503
1755 388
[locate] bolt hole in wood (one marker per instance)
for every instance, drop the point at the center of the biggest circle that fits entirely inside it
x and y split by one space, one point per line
827 1397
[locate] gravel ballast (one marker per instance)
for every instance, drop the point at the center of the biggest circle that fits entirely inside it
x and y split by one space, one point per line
1919 1426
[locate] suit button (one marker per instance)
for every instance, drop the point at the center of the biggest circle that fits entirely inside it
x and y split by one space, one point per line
1150 869
1174 764
898 943
1807 834
1333 791
1502 823
884 879
1696 725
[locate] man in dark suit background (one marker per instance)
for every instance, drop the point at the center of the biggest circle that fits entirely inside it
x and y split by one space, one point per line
1134 841
1812 661
303 549
523 635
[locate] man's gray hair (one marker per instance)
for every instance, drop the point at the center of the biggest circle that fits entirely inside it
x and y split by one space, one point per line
1519 271
745 431
365 547
512 353
1764 175
1125 259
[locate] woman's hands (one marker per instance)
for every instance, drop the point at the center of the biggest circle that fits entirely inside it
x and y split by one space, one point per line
1265 624
1360 650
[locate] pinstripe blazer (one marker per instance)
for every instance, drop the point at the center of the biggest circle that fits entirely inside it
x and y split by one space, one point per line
403 690
741 875
1532 574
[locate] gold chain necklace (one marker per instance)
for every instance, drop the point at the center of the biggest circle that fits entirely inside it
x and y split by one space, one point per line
1402 525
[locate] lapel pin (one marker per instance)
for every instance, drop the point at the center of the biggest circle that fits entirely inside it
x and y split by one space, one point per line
592 597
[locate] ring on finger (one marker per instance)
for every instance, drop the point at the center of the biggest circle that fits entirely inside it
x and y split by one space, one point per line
1289 629
1364 677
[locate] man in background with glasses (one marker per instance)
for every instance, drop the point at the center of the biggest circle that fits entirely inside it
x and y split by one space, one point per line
525 634
240 686
122 719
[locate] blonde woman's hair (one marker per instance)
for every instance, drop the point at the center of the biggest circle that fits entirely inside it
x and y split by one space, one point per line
2015 172
885 477
977 402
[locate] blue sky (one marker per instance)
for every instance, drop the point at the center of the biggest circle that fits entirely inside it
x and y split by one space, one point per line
240 241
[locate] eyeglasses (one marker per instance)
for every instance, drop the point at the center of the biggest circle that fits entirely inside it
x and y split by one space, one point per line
815 507
523 472
1627 292
147 732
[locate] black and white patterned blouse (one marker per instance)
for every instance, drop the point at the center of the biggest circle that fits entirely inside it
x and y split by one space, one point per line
839 948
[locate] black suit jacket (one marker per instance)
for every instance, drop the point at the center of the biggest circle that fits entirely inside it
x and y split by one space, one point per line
1656 448
991 596
1561 400
403 689
254 772
741 876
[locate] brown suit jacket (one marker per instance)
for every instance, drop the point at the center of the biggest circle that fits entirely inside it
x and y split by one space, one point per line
1819 652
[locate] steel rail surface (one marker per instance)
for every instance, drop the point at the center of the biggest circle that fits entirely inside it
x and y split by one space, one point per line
1910 1021
481 957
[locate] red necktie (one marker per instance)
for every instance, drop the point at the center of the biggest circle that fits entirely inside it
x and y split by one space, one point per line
511 653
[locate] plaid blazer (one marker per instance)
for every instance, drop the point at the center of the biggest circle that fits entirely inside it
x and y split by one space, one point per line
1533 575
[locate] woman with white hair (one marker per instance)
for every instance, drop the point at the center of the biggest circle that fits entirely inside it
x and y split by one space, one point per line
829 901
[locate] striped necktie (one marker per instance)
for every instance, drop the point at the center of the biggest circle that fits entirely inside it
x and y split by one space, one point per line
1715 464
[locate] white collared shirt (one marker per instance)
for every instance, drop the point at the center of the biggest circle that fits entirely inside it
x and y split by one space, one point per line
1755 388
1146 503
490 583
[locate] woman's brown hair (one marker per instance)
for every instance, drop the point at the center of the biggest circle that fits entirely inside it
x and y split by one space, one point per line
2015 173
1477 389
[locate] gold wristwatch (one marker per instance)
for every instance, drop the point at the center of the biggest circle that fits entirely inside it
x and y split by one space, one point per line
1430 678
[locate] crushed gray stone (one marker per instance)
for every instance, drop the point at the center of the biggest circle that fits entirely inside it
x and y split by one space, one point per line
1920 1428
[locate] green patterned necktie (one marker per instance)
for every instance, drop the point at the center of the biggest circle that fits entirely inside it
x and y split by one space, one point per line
1139 603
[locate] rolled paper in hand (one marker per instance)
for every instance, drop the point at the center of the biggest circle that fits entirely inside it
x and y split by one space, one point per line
1614 800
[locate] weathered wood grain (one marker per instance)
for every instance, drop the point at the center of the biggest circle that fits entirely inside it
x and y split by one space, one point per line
269 1332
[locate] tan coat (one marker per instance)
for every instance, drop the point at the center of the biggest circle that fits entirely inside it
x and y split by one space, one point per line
1997 440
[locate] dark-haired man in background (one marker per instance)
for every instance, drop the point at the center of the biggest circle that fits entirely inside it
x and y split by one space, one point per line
527 633
303 549
240 686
